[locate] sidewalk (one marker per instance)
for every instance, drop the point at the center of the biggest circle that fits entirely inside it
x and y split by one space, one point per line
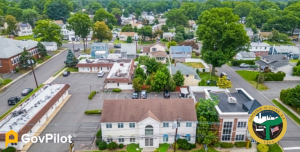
288 107
252 149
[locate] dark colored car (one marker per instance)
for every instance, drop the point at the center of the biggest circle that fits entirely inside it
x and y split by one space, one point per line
66 73
117 46
13 100
25 92
166 94
76 50
144 94
135 95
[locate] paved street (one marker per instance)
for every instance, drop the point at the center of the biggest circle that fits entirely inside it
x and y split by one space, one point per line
292 136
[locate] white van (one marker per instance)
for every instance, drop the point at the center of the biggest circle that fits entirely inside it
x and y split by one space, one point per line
100 74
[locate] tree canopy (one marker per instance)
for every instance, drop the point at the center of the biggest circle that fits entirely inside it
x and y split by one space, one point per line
48 31
178 78
57 10
101 31
103 15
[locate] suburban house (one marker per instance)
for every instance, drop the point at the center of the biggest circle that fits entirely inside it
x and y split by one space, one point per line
192 23
162 21
10 52
191 78
120 74
148 122
33 114
156 27
234 110
135 23
243 55
50 46
297 32
249 32
68 34
128 50
169 35
123 36
264 35
180 53
99 50
157 51
23 29
275 63
259 48
290 51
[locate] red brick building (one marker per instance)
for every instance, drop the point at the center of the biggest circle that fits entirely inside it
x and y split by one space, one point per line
10 51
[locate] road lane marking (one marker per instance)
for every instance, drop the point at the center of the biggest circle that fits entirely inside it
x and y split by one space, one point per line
117 96
109 95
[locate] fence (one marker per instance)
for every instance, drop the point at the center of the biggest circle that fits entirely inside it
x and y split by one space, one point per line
206 67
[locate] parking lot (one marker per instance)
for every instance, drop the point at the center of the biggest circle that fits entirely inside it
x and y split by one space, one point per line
276 87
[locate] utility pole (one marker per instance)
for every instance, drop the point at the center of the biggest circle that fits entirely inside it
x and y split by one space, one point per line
176 123
73 39
30 60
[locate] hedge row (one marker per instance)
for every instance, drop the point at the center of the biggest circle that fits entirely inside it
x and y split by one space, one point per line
91 96
90 112
239 62
270 76
226 145
230 145
117 90
240 144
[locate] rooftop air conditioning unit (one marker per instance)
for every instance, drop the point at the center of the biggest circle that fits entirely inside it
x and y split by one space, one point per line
232 100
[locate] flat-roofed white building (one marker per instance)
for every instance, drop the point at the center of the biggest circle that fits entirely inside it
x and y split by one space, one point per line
29 117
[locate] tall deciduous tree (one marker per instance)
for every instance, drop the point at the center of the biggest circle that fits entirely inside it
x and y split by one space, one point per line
103 15
172 43
48 31
24 59
126 13
39 5
225 37
145 31
12 24
176 17
137 84
81 24
138 13
116 11
178 78
151 65
171 86
101 31
224 83
95 7
30 16
242 9
111 5
16 12
42 50
25 4
57 10
159 82
139 72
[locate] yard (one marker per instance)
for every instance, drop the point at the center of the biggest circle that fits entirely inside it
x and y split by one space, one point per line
280 43
286 111
5 82
146 42
72 69
194 64
251 76
118 41
294 60
28 37
206 76
43 60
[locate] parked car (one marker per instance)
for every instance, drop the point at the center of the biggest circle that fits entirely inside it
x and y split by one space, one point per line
66 73
13 100
244 65
166 94
76 50
25 92
135 95
101 74
224 74
144 94
117 46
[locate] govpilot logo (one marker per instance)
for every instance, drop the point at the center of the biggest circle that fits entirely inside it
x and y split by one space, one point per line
12 137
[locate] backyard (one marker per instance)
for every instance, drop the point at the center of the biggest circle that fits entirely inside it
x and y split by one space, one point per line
206 76
251 76
27 37
280 43
194 64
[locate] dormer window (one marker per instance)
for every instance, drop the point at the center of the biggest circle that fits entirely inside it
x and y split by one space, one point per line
153 49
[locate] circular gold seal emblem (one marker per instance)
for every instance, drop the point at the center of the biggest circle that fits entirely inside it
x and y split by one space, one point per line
267 124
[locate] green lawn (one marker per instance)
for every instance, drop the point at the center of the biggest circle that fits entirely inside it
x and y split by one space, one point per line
27 37
164 147
43 60
72 69
133 147
294 60
55 52
251 76
280 43
274 148
194 64
146 42
206 76
118 41
286 111
7 81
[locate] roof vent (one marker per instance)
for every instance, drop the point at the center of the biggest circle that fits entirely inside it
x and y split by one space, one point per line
232 100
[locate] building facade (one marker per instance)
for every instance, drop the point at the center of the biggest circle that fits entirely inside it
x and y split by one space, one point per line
99 50
191 78
24 29
259 48
180 53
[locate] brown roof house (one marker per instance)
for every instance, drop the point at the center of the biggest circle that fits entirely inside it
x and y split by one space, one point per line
157 51
148 122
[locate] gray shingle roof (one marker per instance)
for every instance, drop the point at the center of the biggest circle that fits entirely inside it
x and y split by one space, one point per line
180 49
247 54
10 47
261 63
128 48
275 57
286 49
48 43
184 70
276 60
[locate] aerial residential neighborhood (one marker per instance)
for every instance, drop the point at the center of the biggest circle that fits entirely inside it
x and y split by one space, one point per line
149 76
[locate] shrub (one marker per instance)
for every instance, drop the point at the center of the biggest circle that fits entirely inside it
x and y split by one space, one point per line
90 112
9 149
112 145
240 144
117 90
262 148
168 51
98 141
298 63
217 144
202 83
203 70
184 144
267 70
296 71
239 62
250 145
173 146
99 134
17 69
226 145
102 145
121 146
270 76
91 96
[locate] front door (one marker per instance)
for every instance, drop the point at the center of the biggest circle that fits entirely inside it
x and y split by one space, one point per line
149 142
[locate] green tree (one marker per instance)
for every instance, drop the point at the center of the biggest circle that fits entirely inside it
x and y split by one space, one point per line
151 65
95 6
242 9
172 43
139 72
39 5
127 28
143 59
137 83
12 24
1 81
145 31
159 82
103 15
138 13
221 23
283 37
30 16
111 5
165 28
25 4
129 39
126 13
116 11
274 36
148 7
81 24
191 10
57 10
42 50
207 136
179 37
101 31
259 16
71 60
264 5
48 31
171 86
16 12
178 78
130 9
224 83
24 57
176 17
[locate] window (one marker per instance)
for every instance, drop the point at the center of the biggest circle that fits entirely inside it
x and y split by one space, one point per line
227 131
256 47
188 137
132 140
117 84
265 48
121 140
108 125
239 138
178 124
187 75
12 61
107 68
120 125
153 49
131 125
165 124
242 124
149 130
109 140
0 64
188 124
149 142
166 138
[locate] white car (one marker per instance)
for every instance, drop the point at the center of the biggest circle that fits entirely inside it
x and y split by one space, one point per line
100 74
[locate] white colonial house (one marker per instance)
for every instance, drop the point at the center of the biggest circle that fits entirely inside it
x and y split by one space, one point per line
23 29
148 122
